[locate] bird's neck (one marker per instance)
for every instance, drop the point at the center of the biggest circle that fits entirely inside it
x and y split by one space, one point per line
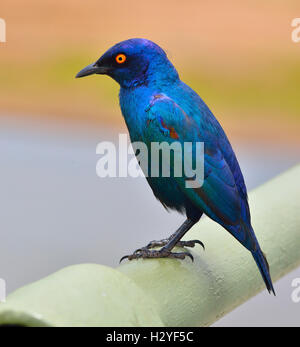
157 75
133 102
161 74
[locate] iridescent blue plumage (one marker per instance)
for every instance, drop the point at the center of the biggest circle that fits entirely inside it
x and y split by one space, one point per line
157 106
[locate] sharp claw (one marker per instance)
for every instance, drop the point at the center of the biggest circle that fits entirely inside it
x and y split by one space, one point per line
200 243
123 258
190 243
189 255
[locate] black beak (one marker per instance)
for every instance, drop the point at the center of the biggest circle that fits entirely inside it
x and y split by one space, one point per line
92 69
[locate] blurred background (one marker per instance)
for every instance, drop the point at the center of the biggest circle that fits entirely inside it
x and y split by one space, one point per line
55 211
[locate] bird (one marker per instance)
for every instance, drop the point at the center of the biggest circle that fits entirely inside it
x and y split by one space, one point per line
159 107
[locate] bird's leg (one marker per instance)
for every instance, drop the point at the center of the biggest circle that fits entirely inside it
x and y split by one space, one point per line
167 245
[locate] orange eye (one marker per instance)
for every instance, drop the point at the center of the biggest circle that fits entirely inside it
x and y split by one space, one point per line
121 58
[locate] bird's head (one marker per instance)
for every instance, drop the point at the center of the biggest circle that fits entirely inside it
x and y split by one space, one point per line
132 63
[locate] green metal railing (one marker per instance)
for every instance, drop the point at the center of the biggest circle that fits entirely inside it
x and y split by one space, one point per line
169 292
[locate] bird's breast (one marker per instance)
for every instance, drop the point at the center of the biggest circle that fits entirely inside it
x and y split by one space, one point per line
133 104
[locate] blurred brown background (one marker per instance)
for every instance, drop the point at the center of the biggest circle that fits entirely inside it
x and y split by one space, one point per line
238 56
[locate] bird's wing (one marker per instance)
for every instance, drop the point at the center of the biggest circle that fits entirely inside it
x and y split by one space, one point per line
212 129
218 196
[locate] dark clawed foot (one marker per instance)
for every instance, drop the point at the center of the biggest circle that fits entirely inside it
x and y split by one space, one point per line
182 244
190 243
159 243
145 253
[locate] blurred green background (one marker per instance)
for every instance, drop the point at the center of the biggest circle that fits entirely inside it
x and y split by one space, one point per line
238 56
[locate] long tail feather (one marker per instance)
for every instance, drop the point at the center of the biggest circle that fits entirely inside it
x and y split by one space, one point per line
263 266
